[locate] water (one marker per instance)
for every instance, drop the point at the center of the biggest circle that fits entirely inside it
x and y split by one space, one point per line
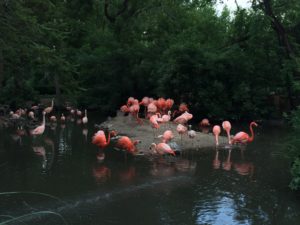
57 178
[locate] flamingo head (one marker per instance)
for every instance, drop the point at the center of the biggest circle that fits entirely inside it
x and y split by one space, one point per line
253 124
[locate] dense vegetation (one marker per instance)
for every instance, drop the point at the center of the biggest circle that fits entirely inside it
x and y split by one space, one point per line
97 53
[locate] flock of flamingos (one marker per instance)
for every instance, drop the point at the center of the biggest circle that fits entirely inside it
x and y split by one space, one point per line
157 112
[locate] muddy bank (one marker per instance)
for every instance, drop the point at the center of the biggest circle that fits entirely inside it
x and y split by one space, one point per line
126 125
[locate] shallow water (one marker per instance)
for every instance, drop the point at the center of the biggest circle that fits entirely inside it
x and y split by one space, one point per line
61 178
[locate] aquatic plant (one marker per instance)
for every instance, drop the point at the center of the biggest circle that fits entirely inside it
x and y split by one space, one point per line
20 218
34 193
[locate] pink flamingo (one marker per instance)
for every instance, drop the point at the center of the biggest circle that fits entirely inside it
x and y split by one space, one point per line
130 101
217 131
31 115
181 130
85 119
127 144
169 103
191 134
145 102
227 127
40 129
154 122
50 108
100 140
62 118
162 148
124 109
167 136
182 108
152 108
184 118
166 118
204 122
161 104
134 110
242 137
53 118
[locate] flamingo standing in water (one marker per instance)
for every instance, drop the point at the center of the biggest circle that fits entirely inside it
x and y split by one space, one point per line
242 137
162 149
40 129
167 136
217 131
227 127
100 140
127 144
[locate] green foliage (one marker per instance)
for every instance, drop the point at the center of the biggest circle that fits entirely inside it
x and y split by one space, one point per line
295 171
223 66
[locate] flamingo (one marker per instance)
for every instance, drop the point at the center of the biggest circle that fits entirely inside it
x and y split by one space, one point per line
204 122
124 109
154 122
183 118
181 130
167 136
217 131
145 102
85 119
78 112
31 115
62 118
191 133
161 104
227 127
169 103
162 148
53 119
127 144
50 108
182 108
151 108
166 118
242 137
40 129
100 140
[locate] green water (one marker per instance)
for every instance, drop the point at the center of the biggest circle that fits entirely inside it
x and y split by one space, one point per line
57 178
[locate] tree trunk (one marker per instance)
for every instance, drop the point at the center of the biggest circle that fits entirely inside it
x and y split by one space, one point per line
283 42
1 69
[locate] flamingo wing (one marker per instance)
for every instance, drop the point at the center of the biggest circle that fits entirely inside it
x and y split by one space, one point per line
240 137
126 144
99 139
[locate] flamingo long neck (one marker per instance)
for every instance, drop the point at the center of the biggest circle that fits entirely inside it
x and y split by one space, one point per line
252 134
52 104
85 112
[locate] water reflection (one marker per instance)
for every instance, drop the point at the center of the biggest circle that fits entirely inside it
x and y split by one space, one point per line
200 187
240 164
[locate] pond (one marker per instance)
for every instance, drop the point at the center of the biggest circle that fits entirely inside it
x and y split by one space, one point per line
61 178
